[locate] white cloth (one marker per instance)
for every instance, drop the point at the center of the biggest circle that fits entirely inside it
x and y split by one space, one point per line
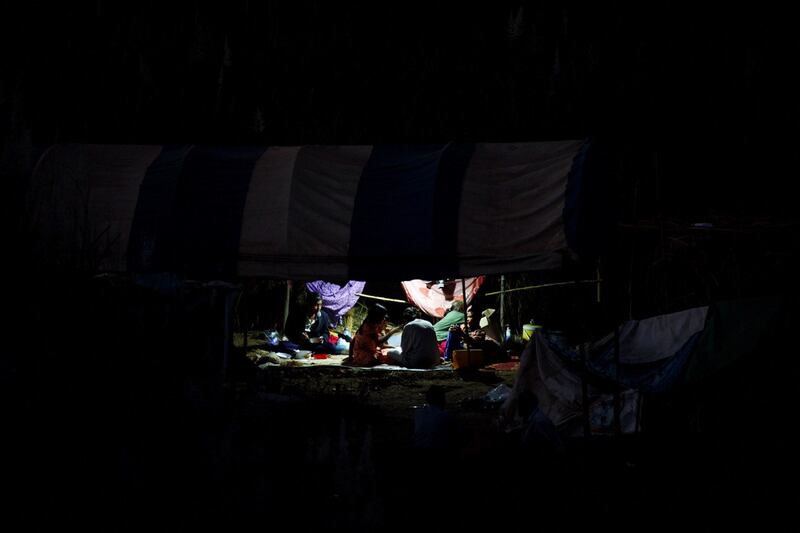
656 338
418 345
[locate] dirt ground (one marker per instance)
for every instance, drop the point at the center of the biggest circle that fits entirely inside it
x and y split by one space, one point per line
329 448
391 390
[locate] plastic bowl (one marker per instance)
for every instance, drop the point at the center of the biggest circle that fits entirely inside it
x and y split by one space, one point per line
301 354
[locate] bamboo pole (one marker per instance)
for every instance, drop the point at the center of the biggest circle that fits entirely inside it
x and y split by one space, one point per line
286 304
502 303
380 298
587 424
558 284
466 322
617 392
598 282
246 316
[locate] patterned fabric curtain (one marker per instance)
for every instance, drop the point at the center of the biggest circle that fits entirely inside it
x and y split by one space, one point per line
337 299
435 297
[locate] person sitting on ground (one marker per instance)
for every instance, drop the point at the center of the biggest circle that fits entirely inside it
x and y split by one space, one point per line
365 350
484 338
442 327
418 347
309 326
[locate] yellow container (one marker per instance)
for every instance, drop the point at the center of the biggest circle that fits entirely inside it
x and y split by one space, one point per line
528 330
468 359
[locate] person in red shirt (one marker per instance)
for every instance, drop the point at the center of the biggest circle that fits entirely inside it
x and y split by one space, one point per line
365 350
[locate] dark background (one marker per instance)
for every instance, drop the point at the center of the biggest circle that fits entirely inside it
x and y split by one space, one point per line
696 106
698 102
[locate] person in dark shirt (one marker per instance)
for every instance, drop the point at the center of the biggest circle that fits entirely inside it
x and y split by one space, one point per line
484 338
309 326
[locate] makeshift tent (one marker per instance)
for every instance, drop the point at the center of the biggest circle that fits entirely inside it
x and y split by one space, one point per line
314 212
655 355
558 385
652 354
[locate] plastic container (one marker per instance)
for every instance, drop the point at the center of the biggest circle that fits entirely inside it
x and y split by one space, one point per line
472 358
528 330
301 354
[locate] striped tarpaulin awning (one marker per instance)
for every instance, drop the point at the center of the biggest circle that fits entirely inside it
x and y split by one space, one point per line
308 212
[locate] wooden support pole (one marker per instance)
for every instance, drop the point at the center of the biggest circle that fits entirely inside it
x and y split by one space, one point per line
286 304
558 284
383 298
502 303
245 316
597 300
617 392
587 423
227 297
466 322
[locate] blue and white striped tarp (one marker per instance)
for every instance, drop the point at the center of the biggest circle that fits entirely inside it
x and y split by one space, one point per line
309 212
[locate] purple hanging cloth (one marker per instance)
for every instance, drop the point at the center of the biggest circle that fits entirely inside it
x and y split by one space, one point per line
336 299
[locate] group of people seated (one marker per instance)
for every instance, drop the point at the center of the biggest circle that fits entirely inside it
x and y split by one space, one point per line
483 335
422 345
418 348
